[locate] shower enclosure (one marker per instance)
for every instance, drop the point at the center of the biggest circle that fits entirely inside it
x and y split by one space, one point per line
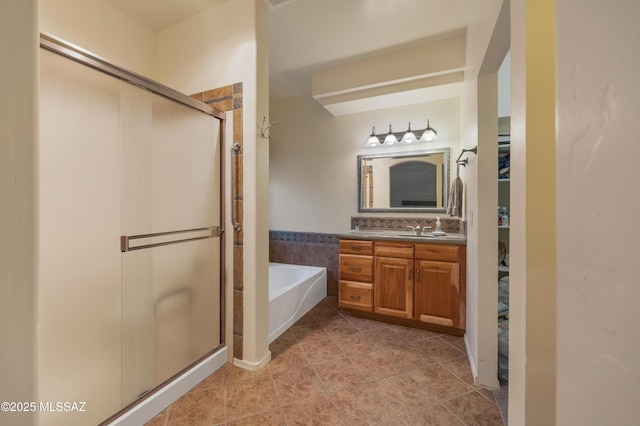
130 214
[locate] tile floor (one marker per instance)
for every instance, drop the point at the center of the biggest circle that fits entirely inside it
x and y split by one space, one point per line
334 369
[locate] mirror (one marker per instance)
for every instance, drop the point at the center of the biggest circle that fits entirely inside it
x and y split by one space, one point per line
409 182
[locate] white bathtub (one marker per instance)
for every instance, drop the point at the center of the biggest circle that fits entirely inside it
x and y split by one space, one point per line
293 291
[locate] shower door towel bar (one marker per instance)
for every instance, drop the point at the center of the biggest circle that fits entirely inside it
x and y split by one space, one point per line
204 233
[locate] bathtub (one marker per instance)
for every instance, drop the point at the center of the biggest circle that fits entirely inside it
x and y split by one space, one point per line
293 291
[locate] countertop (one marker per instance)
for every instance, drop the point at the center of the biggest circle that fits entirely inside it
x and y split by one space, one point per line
405 236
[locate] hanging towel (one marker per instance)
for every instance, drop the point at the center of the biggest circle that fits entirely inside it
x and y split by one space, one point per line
454 207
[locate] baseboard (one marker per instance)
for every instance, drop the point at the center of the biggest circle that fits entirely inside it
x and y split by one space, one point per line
152 406
474 367
491 382
252 366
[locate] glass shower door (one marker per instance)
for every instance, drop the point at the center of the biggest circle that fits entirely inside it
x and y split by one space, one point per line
79 293
171 192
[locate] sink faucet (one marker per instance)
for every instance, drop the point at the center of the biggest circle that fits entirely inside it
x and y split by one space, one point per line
419 231
416 229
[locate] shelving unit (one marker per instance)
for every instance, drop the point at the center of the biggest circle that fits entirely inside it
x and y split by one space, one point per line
504 187
503 198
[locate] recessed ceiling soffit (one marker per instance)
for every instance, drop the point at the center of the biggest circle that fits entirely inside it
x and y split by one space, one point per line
434 63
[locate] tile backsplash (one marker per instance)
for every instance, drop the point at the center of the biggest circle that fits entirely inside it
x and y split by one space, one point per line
451 225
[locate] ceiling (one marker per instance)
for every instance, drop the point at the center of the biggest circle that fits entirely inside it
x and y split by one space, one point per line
311 36
307 36
158 15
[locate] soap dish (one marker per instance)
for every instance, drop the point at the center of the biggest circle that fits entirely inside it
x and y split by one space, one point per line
438 233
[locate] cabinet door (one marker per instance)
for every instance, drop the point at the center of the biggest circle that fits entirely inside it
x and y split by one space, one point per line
393 287
437 293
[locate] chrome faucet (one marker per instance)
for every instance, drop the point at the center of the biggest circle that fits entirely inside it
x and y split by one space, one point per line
416 229
419 231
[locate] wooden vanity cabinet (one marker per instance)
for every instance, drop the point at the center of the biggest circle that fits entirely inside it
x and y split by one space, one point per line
393 279
413 284
356 275
437 294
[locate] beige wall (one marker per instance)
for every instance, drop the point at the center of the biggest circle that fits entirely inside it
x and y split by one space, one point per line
18 233
598 350
532 346
313 156
481 198
485 223
102 29
259 189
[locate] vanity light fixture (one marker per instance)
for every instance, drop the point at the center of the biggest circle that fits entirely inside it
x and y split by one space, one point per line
408 137
429 133
391 138
373 139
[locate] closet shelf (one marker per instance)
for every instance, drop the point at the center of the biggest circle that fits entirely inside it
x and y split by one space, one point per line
503 269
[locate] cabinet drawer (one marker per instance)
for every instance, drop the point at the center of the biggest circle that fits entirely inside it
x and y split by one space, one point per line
356 295
387 249
445 253
356 268
362 247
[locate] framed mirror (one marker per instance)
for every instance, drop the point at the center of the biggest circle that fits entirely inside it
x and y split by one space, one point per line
404 182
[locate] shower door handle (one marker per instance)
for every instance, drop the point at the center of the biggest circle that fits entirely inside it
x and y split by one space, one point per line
181 236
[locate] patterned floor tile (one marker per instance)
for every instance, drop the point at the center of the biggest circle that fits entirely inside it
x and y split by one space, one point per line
334 369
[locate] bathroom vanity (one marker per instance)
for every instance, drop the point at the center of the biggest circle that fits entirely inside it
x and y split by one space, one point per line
414 281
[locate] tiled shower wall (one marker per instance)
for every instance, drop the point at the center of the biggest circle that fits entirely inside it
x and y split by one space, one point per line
229 98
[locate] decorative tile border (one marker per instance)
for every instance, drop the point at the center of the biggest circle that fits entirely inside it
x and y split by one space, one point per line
453 225
303 237
229 98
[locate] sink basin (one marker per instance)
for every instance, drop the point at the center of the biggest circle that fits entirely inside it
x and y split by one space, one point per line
417 236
